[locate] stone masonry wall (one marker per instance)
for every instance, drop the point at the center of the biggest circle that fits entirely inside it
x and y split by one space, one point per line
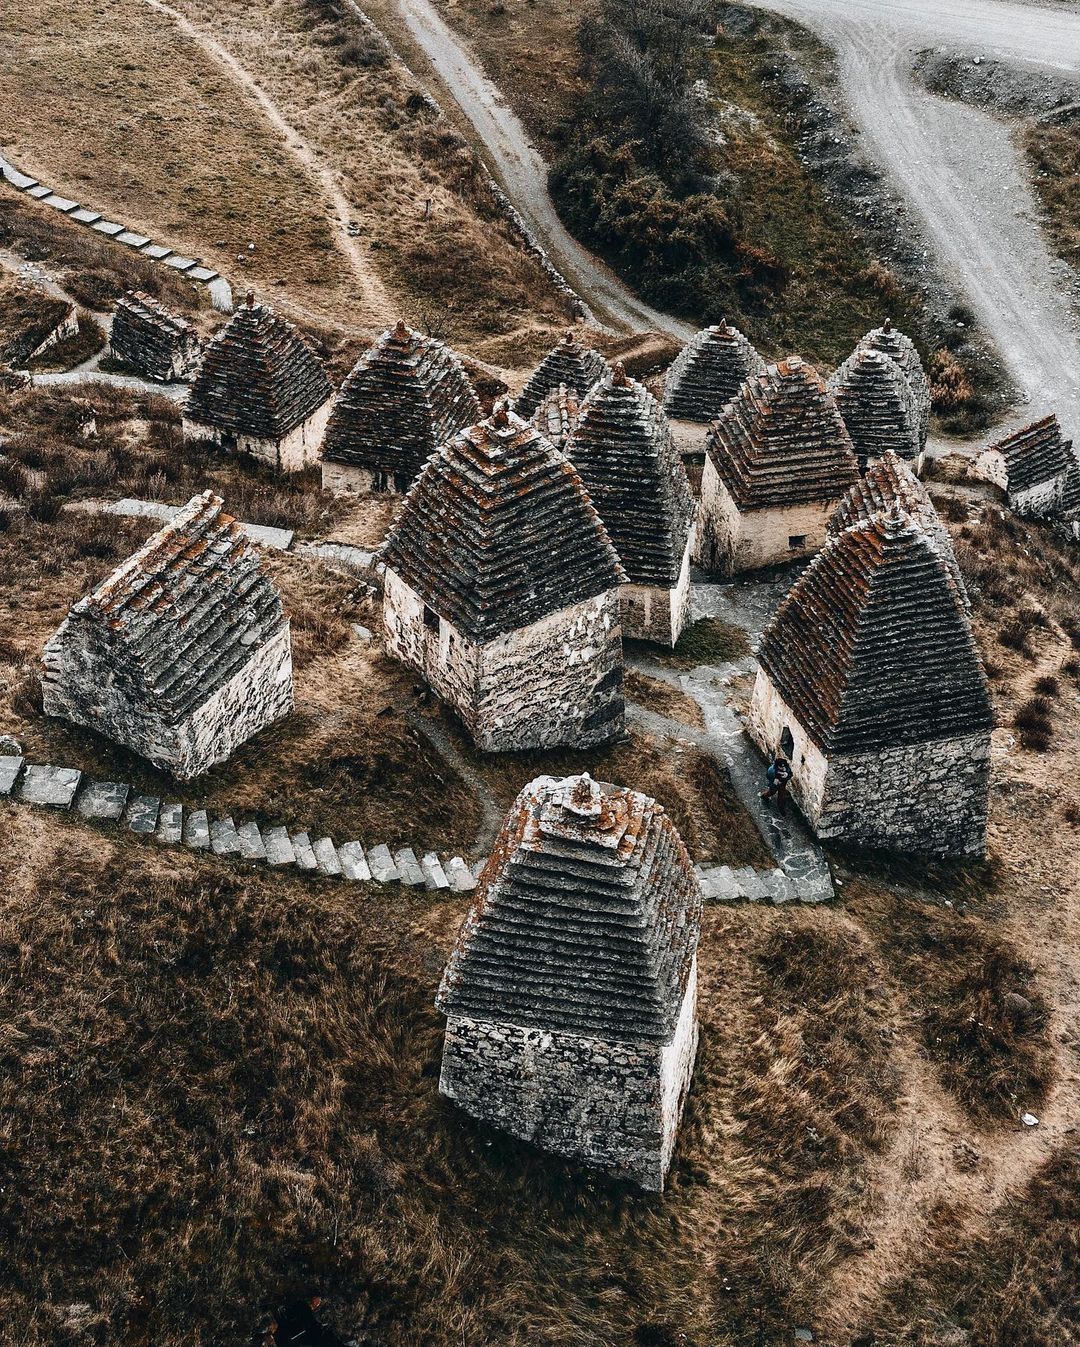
733 541
648 613
298 450
344 478
609 1104
558 681
259 693
929 797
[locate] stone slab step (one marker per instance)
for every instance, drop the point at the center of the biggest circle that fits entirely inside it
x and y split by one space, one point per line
252 847
10 767
223 838
170 823
141 814
54 786
305 856
39 191
750 885
109 227
279 847
196 830
433 872
383 869
408 867
462 879
326 856
354 863
86 217
103 800
60 203
778 886
718 884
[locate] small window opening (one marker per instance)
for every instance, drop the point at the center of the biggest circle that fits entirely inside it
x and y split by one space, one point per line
787 743
380 481
431 618
796 542
402 482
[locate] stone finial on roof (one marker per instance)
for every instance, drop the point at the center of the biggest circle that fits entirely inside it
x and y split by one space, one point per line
878 406
887 483
623 449
258 378
782 441
872 648
405 396
569 363
499 531
708 372
901 349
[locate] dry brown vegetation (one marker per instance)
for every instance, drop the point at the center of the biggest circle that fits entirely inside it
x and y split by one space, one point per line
665 700
1054 151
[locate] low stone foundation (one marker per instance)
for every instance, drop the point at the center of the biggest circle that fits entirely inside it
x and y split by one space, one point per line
298 450
343 479
733 540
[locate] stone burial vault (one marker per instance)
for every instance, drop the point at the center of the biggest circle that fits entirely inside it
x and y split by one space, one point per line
260 391
405 396
574 366
878 407
570 995
147 338
702 379
1037 468
900 349
623 449
501 588
871 685
778 462
183 653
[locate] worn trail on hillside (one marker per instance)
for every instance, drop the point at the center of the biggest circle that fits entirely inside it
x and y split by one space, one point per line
960 170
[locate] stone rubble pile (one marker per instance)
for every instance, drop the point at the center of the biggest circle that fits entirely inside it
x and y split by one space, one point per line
878 406
569 363
708 372
158 344
171 822
405 396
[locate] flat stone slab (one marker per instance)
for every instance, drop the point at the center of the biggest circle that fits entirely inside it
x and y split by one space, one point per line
408 867
142 813
10 767
326 856
170 823
181 263
85 216
353 861
278 539
750 885
279 847
18 180
718 884
157 251
132 239
305 855
60 203
103 799
109 227
434 874
252 847
383 869
462 879
197 830
39 191
223 838
54 786
778 887
203 274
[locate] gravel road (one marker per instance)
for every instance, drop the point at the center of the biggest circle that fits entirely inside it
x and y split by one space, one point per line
959 170
523 175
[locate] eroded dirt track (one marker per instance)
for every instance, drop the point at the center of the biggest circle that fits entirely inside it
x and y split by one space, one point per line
959 170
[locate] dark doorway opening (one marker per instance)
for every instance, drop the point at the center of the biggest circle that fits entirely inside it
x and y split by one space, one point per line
787 743
298 1325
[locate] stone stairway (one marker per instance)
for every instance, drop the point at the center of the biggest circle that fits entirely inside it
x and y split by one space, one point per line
275 845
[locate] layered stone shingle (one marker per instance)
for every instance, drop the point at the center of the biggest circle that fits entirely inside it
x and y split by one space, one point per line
146 337
901 350
878 406
557 416
261 390
406 395
502 588
569 363
183 652
1038 468
870 678
623 449
708 372
570 994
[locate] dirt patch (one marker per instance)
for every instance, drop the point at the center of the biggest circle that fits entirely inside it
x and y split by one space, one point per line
709 640
662 698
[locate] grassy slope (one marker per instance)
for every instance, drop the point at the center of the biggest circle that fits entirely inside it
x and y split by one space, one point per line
1054 151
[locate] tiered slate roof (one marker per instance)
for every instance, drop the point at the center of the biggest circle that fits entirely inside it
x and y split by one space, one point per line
258 377
877 404
1036 454
569 363
891 483
405 396
624 451
585 920
889 341
782 440
498 531
557 416
147 337
872 648
708 372
185 612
